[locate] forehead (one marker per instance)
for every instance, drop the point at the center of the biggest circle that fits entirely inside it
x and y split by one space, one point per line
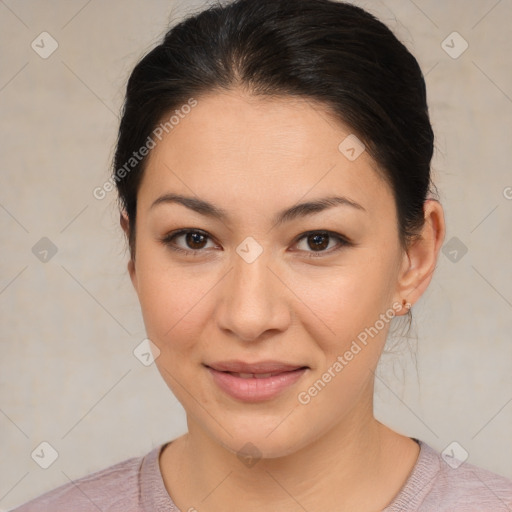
240 147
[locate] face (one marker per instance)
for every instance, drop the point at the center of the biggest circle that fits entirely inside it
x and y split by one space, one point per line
269 324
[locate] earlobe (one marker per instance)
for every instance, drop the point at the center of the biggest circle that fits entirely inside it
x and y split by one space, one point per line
421 259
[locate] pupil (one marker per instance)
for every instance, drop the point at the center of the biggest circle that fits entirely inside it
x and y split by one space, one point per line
193 239
317 241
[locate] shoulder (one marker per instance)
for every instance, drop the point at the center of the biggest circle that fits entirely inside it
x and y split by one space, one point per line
115 488
470 486
441 482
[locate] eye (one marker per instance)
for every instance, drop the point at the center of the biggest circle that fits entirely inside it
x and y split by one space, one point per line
194 239
320 242
195 242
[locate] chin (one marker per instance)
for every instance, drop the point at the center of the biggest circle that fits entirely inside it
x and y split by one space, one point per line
259 440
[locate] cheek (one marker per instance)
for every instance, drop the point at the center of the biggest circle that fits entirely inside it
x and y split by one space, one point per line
168 296
170 306
333 303
348 299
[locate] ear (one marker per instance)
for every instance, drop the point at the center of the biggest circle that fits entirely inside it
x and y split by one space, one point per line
125 225
419 262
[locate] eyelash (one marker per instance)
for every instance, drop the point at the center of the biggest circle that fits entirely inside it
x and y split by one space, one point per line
169 239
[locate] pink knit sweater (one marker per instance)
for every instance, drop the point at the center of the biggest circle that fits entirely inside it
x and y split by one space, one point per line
136 485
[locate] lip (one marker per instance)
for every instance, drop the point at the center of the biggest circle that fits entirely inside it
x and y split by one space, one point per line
269 378
267 366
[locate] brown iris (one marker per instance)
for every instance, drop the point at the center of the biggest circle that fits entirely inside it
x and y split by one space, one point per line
318 241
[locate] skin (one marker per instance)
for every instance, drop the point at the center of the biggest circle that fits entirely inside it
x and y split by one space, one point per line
254 157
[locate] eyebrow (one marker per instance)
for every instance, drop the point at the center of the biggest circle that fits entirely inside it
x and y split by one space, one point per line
298 210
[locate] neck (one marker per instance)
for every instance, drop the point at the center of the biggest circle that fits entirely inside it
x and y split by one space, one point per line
358 465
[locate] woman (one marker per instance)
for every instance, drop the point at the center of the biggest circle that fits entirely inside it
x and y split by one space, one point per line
273 169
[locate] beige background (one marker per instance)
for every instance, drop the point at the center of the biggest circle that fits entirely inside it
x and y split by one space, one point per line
69 326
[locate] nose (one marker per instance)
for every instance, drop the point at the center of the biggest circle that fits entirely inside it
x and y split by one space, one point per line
254 302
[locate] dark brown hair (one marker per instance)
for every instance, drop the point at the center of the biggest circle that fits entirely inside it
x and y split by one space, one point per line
331 52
